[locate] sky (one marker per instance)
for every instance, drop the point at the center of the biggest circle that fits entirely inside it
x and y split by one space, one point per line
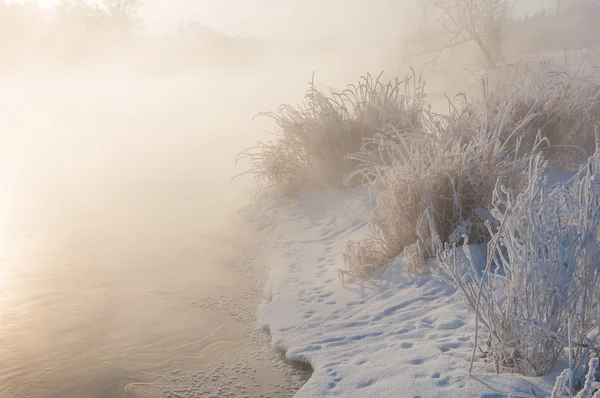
301 19
276 18
285 18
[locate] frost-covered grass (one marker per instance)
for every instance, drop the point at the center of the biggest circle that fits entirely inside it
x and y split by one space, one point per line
430 188
390 336
438 183
590 386
541 274
474 175
477 175
563 105
313 139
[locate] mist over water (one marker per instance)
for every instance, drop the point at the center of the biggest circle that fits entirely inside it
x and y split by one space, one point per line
119 222
126 265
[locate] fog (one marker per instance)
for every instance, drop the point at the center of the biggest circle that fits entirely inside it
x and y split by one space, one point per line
126 267
119 221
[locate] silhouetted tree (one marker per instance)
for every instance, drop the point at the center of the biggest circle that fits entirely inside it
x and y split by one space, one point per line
457 22
121 15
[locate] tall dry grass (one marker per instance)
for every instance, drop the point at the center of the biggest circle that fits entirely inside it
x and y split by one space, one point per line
563 104
476 174
432 176
437 183
313 140
541 275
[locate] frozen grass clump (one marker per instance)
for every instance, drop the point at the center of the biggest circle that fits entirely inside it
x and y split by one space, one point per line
436 184
313 139
589 389
439 183
563 105
543 263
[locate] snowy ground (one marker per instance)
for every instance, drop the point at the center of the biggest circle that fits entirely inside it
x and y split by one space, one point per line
393 337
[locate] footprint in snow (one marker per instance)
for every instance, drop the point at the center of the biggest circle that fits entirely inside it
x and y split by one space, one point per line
353 303
406 345
326 294
326 232
444 382
364 384
449 324
405 330
364 336
440 338
433 292
448 346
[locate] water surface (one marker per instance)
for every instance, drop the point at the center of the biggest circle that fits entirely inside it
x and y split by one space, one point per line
125 268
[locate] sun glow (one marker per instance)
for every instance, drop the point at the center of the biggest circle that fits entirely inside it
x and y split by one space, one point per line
41 3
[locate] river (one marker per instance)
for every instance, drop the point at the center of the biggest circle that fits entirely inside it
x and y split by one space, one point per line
126 268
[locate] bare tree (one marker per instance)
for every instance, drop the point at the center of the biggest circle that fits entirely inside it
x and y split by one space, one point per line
453 23
121 14
76 17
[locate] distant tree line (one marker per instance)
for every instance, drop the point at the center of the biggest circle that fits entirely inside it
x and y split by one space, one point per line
73 28
491 30
77 31
570 25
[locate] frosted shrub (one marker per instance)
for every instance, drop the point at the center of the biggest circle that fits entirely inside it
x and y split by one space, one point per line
313 140
562 105
590 387
439 184
561 384
542 269
432 185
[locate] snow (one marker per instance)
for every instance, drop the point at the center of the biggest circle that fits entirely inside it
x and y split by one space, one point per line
395 336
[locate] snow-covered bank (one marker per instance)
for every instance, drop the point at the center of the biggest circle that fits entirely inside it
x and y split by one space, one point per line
394 337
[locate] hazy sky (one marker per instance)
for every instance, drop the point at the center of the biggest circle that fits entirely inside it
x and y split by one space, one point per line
276 18
299 18
289 18
285 18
